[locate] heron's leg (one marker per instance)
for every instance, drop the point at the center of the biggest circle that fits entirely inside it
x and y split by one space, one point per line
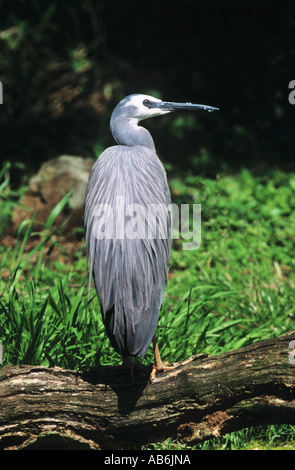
159 364
128 365
158 361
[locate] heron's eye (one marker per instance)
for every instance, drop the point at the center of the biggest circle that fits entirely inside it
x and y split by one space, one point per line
146 103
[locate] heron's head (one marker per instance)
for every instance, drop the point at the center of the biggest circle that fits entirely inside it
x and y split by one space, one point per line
139 107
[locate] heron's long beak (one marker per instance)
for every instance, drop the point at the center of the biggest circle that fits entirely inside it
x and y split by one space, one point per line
171 106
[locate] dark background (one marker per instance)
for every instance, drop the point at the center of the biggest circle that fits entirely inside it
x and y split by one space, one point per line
65 65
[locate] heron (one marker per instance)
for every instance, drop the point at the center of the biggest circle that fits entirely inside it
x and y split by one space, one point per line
129 268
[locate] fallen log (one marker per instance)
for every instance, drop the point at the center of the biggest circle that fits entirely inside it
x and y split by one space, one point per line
205 397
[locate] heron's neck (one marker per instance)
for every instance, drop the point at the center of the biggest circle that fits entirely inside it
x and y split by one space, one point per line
126 131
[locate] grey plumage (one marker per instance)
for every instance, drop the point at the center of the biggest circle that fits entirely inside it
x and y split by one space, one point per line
130 273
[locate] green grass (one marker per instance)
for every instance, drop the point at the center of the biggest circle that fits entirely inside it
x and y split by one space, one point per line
237 288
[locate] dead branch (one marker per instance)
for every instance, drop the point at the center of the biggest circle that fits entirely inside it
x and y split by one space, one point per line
43 408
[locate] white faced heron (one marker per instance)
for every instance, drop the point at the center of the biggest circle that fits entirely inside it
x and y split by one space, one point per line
128 252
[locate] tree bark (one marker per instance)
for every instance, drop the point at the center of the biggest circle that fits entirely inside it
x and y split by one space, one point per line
206 397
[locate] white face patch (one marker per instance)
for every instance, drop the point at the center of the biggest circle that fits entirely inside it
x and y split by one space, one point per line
141 110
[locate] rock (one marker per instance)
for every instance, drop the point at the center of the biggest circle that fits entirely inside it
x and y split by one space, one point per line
53 181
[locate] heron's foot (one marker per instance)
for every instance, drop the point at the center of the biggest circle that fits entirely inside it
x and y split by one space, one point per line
165 366
161 367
